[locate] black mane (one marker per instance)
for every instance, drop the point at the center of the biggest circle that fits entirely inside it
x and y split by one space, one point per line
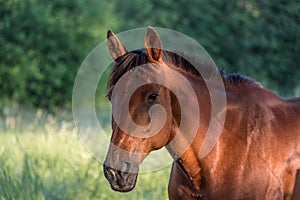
139 57
237 79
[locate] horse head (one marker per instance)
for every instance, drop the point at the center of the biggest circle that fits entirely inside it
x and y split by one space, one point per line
139 123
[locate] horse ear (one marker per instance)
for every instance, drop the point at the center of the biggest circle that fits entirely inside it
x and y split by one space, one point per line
115 47
153 45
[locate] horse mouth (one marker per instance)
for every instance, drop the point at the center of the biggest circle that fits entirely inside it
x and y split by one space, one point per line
120 181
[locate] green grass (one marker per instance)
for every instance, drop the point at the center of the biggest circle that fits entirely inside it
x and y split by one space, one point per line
44 159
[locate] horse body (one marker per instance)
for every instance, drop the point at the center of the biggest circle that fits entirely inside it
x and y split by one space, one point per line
256 156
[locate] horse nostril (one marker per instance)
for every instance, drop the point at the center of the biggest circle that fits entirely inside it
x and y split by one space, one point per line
109 173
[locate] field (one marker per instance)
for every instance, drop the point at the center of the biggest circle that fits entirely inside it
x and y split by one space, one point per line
41 157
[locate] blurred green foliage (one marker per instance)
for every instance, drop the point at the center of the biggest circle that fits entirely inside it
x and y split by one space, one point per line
44 42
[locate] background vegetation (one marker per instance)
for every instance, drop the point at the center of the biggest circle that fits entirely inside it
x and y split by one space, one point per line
41 157
43 43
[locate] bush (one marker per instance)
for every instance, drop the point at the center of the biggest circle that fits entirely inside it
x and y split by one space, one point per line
43 44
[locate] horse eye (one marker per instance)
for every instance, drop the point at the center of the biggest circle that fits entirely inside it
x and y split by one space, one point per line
152 97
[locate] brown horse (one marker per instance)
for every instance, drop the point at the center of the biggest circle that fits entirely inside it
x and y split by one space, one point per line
256 156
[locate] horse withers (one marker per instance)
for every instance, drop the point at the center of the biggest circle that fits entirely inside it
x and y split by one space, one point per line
257 153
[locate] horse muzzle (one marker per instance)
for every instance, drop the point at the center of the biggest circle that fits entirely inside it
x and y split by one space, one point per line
120 181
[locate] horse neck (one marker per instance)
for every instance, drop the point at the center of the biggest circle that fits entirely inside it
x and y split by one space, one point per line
190 160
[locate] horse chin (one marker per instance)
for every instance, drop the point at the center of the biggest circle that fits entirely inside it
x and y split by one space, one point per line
122 188
120 181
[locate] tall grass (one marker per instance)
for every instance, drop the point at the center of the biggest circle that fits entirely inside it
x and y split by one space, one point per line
41 157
